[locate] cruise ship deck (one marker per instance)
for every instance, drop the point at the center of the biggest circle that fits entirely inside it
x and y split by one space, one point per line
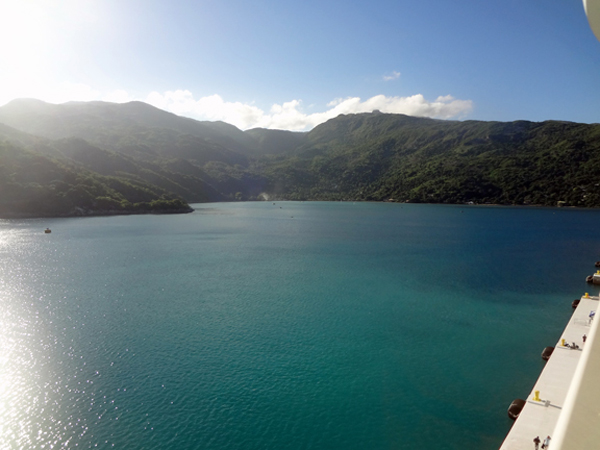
567 406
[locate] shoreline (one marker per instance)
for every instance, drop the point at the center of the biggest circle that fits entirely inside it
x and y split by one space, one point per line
81 212
488 205
97 213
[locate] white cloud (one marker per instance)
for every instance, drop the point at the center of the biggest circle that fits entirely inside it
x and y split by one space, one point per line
118 96
212 107
73 92
65 92
289 115
394 76
335 102
286 116
59 93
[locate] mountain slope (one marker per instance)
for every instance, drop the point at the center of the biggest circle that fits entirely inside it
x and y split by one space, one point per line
382 156
370 156
33 185
127 127
275 142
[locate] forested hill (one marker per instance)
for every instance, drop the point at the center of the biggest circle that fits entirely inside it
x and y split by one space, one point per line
97 157
45 180
386 156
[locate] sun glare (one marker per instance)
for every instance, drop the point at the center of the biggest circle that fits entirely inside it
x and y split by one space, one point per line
23 34
24 41
36 36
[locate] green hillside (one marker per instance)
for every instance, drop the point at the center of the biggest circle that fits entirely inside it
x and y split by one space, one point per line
386 156
97 157
32 185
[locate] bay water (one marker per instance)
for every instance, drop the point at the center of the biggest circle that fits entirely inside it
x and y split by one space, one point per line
286 325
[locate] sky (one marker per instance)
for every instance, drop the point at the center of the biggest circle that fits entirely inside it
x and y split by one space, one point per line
294 64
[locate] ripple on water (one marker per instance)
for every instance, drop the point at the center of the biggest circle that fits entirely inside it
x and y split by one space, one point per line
351 326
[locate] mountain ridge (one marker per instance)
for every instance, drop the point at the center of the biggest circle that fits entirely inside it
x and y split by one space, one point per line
368 156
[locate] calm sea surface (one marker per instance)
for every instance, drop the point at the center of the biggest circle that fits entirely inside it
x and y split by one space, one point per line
286 326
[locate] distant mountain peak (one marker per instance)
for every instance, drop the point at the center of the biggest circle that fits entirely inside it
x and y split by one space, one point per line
22 105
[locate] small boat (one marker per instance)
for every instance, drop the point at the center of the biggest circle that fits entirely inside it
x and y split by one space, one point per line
47 231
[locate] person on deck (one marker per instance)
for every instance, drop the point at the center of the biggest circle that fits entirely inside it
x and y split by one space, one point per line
546 443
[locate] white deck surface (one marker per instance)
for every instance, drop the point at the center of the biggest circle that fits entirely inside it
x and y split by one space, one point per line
540 418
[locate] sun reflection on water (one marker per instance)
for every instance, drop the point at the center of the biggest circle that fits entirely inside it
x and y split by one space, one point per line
32 381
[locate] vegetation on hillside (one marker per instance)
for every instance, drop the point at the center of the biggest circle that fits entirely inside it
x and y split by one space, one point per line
32 185
394 157
101 158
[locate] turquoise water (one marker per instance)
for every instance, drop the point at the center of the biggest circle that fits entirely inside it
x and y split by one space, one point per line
287 326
